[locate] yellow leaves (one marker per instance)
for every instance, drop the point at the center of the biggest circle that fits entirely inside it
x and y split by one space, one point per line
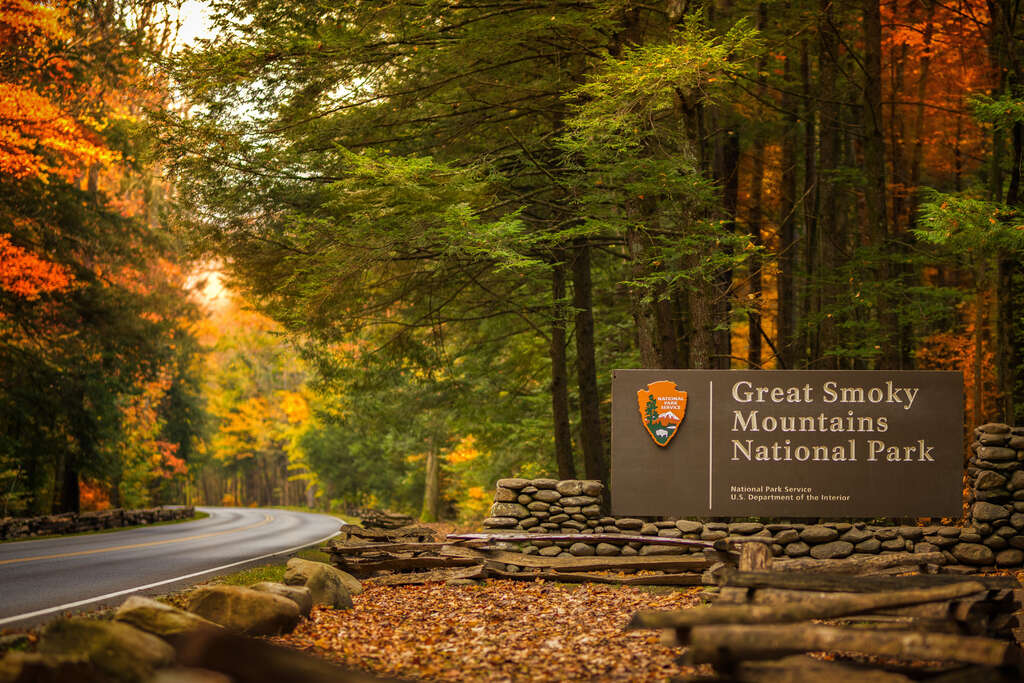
464 451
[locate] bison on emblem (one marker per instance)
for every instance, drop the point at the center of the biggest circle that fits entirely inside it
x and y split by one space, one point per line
662 409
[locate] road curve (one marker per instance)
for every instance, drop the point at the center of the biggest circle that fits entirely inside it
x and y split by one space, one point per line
42 578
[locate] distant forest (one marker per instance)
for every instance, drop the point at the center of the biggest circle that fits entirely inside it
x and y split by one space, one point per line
453 219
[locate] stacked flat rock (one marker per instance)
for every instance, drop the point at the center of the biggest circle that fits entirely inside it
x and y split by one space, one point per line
993 533
995 496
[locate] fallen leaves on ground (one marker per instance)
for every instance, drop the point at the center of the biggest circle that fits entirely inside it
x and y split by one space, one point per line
495 631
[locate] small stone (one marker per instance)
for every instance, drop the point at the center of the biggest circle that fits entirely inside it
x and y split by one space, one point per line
500 522
886 533
529 490
787 536
574 525
717 526
570 487
581 549
856 536
543 484
538 505
798 549
606 549
628 551
547 495
509 510
524 499
912 533
503 495
529 522
993 495
745 528
993 439
894 544
665 524
994 428
555 509
529 550
550 551
1017 520
925 547
592 487
989 480
539 514
713 534
629 523
1006 531
648 529
828 551
658 550
558 519
591 510
987 512
970 537
670 533
689 527
949 531
578 501
1010 558
940 541
819 534
1016 442
1017 542
607 521
973 554
872 545
996 454
1016 480
995 542
515 484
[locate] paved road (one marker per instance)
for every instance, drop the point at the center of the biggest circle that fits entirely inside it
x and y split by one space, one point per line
41 578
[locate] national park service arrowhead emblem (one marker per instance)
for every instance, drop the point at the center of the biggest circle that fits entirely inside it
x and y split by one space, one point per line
662 408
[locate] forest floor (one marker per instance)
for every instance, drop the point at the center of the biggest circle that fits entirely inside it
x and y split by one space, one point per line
497 631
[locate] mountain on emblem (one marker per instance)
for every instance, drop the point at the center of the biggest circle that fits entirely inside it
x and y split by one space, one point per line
662 409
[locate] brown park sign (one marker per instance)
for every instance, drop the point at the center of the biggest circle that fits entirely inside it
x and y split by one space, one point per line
787 443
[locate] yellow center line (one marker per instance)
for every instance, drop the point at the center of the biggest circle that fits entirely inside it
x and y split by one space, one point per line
266 520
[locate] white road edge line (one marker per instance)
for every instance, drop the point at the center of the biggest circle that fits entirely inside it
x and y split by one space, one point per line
79 603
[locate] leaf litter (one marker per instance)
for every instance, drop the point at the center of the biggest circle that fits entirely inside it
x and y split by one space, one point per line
497 631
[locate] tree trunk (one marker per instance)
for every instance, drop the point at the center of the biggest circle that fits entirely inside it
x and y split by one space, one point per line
70 492
642 311
820 255
560 373
787 304
591 442
754 315
432 488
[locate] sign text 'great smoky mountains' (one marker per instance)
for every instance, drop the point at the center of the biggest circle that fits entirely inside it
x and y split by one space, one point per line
802 443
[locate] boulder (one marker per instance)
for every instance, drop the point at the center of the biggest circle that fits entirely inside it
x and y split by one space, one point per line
32 667
119 651
300 595
158 618
244 610
833 550
328 585
973 554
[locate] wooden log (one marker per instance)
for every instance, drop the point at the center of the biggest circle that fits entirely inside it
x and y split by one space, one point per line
727 576
820 608
755 557
412 578
963 609
365 548
804 668
571 577
401 564
585 538
858 565
724 645
571 564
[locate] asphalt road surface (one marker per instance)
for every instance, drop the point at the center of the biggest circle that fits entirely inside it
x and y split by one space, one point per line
43 578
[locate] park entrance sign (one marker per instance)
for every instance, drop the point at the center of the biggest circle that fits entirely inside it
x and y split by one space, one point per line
781 443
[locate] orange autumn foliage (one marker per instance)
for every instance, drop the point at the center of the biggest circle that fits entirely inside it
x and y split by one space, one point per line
28 276
39 137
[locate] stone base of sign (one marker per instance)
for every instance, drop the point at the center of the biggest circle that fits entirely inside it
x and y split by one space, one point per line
991 535
73 523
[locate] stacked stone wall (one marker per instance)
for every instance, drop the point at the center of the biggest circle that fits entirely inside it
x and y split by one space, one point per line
73 523
992 533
